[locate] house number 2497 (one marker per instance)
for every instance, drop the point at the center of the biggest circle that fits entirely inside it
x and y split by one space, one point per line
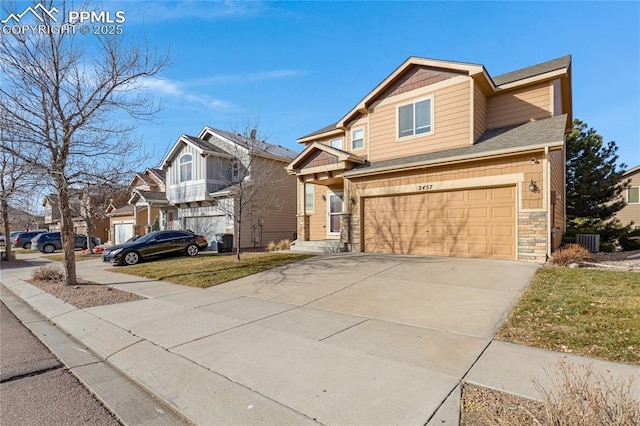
424 187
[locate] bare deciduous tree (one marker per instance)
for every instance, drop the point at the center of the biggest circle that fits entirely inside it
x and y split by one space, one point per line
74 99
15 184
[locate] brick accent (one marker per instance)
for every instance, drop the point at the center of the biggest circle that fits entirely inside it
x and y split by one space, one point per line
303 227
532 236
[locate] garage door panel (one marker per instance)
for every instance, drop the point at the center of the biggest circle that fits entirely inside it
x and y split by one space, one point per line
467 223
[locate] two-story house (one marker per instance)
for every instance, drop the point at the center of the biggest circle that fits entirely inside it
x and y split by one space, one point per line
145 209
442 159
630 213
218 177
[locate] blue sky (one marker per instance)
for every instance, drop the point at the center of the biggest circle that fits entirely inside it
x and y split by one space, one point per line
298 66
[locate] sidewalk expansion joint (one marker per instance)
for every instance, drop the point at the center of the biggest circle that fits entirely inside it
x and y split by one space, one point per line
355 282
344 329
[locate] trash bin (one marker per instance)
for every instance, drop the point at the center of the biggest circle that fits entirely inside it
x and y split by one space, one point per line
224 243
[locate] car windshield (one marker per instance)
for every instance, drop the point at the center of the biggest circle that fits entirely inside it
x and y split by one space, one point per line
147 237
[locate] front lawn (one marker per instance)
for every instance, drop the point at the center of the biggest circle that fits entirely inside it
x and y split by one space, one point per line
207 271
588 312
79 256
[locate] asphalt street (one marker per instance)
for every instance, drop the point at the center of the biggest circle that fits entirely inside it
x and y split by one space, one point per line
35 388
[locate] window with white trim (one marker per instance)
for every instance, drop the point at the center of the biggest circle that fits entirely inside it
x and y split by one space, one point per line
186 166
308 197
633 195
357 138
336 143
415 118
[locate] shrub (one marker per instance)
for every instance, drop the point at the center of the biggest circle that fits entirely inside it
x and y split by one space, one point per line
580 396
271 246
630 240
48 273
607 247
571 253
283 245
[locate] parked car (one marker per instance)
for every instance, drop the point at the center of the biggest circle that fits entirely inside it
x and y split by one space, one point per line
23 239
51 241
153 244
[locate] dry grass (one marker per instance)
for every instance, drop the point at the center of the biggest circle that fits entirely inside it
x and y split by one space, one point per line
79 257
280 245
571 253
207 271
577 396
589 312
48 273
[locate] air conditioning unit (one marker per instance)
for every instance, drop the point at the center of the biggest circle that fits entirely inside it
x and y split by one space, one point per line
590 241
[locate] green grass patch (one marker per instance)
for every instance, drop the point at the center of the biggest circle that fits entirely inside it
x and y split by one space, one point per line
209 270
584 311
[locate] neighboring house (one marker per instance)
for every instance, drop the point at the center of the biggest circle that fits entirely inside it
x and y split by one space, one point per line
53 220
442 159
142 213
203 177
630 214
21 220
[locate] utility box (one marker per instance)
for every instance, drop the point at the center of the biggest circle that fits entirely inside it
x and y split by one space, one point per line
224 243
590 241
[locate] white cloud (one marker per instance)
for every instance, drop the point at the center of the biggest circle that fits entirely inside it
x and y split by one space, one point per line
252 76
173 89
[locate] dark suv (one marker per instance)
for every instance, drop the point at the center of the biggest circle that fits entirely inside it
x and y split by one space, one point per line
23 239
50 242
155 244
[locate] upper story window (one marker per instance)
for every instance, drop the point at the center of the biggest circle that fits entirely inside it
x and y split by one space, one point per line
336 143
308 197
186 168
633 195
415 118
357 138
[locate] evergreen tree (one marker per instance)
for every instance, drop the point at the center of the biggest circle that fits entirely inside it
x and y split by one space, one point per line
593 189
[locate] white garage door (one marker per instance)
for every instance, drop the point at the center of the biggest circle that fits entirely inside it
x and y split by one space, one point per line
209 226
123 231
465 223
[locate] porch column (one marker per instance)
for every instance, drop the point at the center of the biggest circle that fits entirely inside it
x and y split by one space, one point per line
148 227
345 229
303 227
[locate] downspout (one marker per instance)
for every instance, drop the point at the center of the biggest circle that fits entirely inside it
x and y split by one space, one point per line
546 197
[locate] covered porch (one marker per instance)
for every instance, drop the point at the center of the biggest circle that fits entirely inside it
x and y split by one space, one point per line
324 219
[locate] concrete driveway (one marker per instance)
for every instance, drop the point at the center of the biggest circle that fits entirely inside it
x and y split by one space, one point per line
337 339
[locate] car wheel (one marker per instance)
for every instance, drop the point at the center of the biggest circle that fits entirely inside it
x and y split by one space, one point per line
49 248
131 258
192 250
27 246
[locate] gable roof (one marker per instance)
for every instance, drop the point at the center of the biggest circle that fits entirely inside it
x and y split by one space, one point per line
317 146
254 145
548 132
148 196
631 171
532 71
471 69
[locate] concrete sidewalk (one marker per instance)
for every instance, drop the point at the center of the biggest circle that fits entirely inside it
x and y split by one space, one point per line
239 354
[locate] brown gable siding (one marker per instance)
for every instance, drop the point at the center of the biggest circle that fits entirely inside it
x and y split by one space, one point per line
630 212
319 158
415 78
519 106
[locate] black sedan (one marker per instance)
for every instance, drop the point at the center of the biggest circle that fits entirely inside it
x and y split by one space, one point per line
153 244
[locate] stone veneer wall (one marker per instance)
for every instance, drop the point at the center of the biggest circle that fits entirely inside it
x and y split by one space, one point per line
303 227
532 236
354 229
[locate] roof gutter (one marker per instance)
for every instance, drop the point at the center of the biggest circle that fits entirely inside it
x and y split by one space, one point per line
454 159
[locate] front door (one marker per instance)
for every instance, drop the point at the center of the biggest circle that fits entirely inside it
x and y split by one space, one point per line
336 208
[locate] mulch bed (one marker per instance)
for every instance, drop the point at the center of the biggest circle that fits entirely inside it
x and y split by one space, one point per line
482 406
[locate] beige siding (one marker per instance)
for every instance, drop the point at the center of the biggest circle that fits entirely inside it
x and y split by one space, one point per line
479 113
558 214
274 202
519 106
451 106
487 168
318 219
631 212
